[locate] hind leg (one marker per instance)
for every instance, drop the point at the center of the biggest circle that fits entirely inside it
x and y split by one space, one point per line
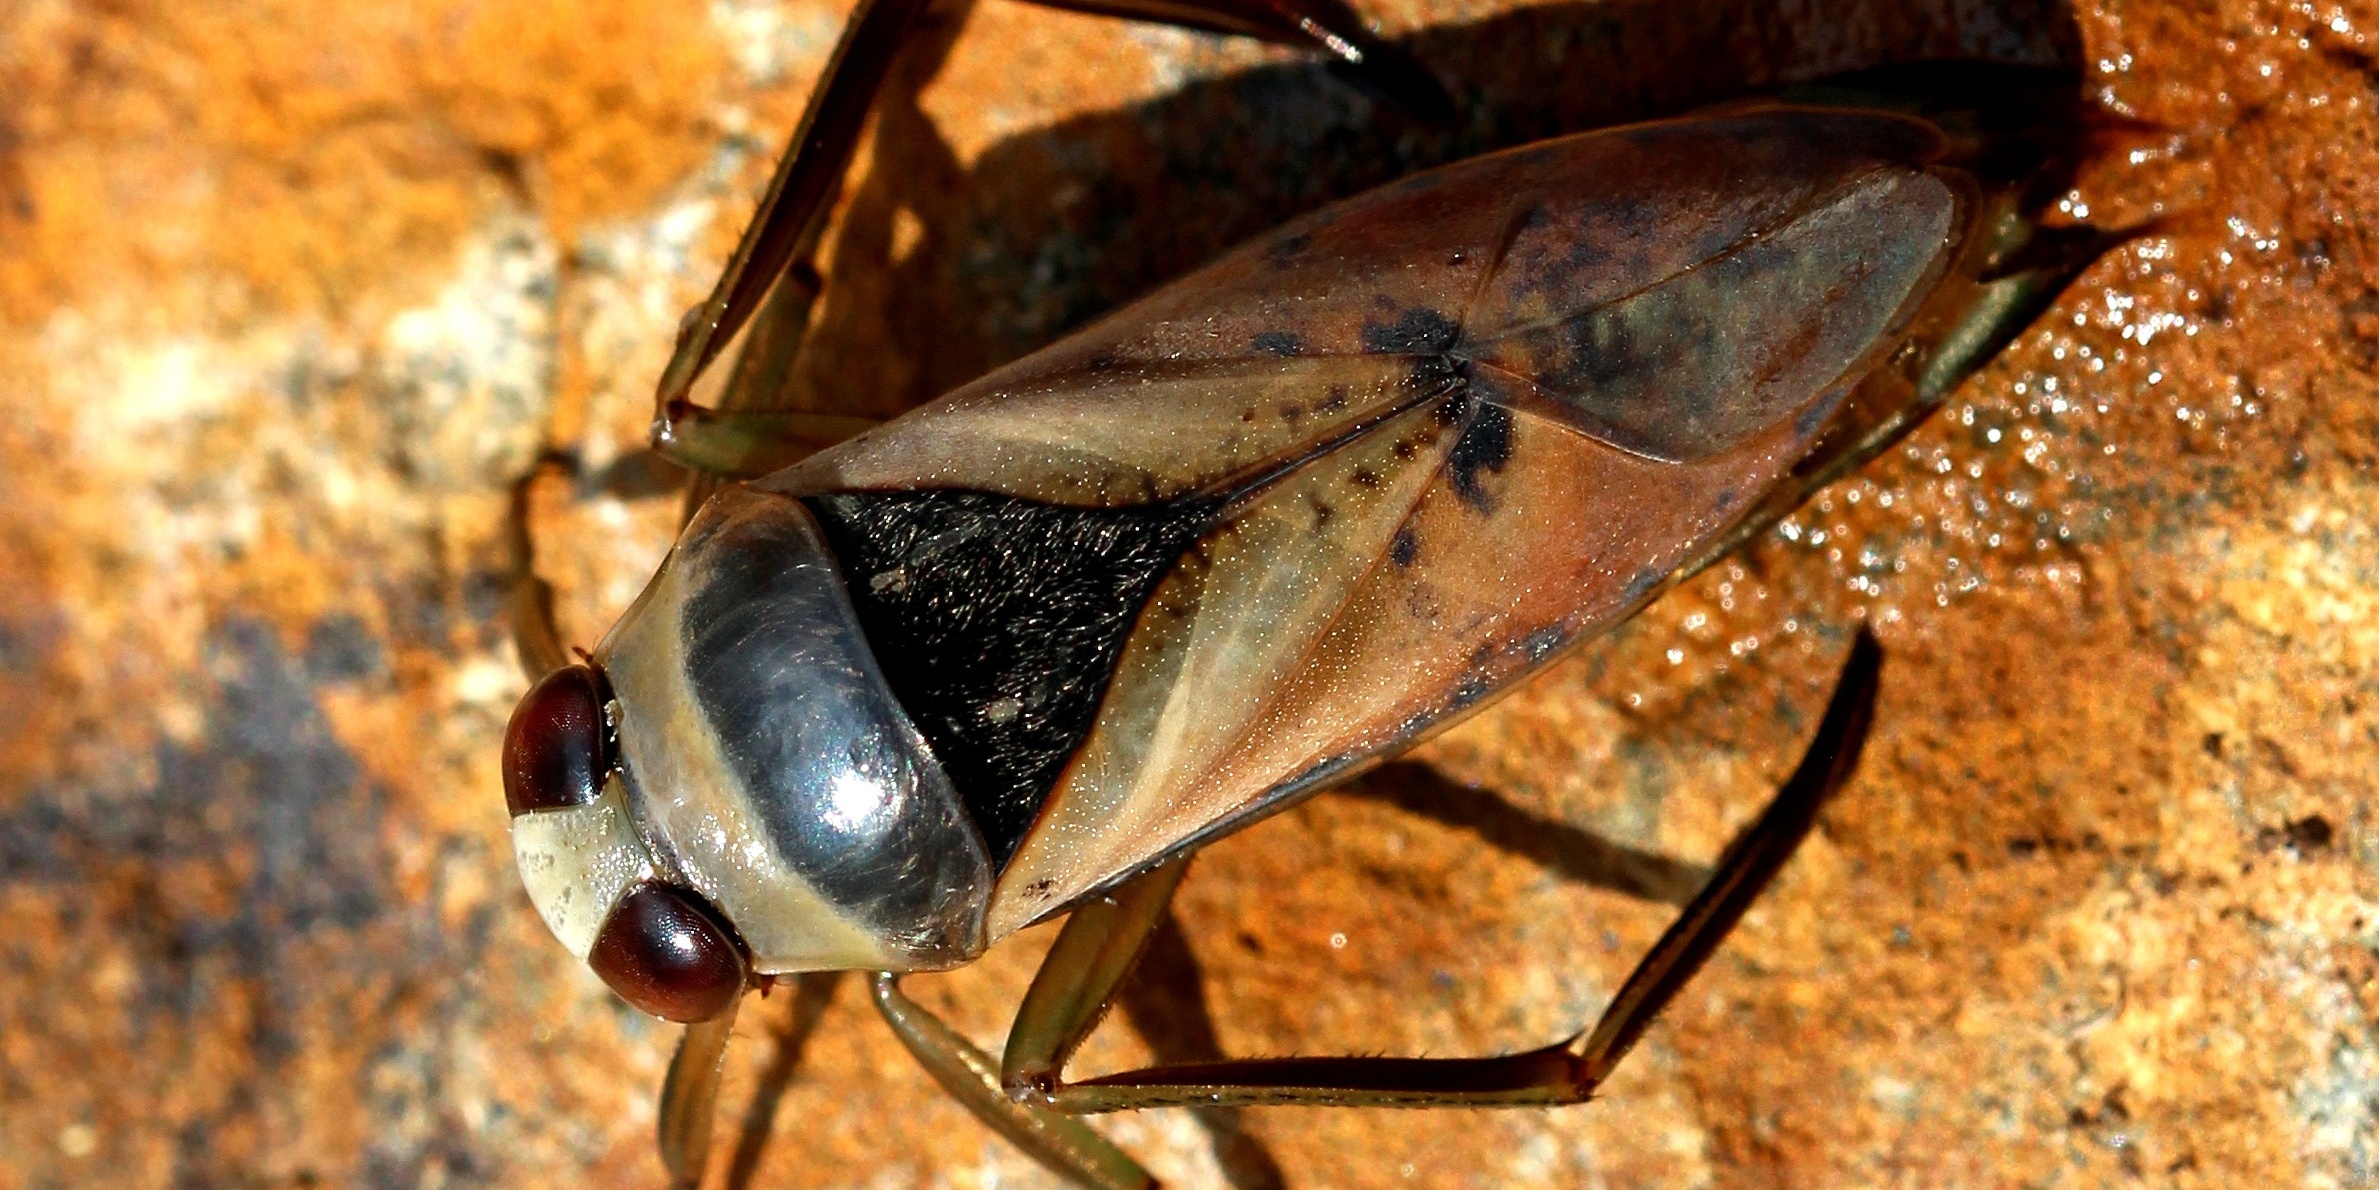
1101 940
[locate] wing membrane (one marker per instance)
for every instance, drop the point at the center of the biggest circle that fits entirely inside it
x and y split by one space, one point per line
1456 425
1120 434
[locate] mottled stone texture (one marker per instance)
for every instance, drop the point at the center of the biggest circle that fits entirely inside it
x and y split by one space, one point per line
296 292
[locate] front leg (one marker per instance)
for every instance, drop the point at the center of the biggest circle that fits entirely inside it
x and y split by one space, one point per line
689 1098
1101 939
1096 949
1060 1142
1328 27
718 408
1100 943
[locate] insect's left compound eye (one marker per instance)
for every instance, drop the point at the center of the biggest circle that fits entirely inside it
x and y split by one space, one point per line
664 951
557 749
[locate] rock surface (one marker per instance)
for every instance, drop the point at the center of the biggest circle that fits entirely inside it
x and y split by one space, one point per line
295 294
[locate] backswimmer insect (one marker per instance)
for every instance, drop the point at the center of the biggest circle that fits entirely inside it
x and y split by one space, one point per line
1018 654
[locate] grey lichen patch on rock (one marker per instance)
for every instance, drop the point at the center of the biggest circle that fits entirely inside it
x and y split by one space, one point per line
470 372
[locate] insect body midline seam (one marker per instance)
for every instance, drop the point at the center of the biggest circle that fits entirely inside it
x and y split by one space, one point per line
1257 714
1233 492
1563 425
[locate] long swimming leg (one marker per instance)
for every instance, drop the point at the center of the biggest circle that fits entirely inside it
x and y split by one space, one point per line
1051 1025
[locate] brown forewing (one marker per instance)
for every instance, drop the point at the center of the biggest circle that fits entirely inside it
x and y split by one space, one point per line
1491 406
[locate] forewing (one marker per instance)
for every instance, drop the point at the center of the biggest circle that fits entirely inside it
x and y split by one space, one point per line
1452 426
1119 434
1269 354
1278 348
1220 644
1685 346
1416 569
1278 659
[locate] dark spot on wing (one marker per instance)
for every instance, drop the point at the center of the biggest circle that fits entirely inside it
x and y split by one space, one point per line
1418 331
1450 413
1403 546
1278 343
1365 477
1485 445
1638 216
1543 643
1286 249
1643 583
1332 402
1552 267
1497 663
1440 375
1815 415
1603 349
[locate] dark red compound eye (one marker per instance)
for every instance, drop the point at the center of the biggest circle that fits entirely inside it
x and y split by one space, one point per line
557 750
664 951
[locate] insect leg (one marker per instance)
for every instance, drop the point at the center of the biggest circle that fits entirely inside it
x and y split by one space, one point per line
1328 27
1566 1072
761 304
1101 941
689 1098
723 420
1165 1001
536 638
1060 1142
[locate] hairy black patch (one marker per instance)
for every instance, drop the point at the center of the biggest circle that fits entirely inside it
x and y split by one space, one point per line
1402 547
998 622
1277 343
1418 331
1485 445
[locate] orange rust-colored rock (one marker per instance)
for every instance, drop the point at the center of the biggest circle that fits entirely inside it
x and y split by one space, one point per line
295 295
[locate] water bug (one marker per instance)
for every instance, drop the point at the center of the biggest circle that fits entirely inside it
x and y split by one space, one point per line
901 690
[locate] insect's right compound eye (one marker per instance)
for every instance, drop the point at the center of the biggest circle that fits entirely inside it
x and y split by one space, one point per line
664 951
557 750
